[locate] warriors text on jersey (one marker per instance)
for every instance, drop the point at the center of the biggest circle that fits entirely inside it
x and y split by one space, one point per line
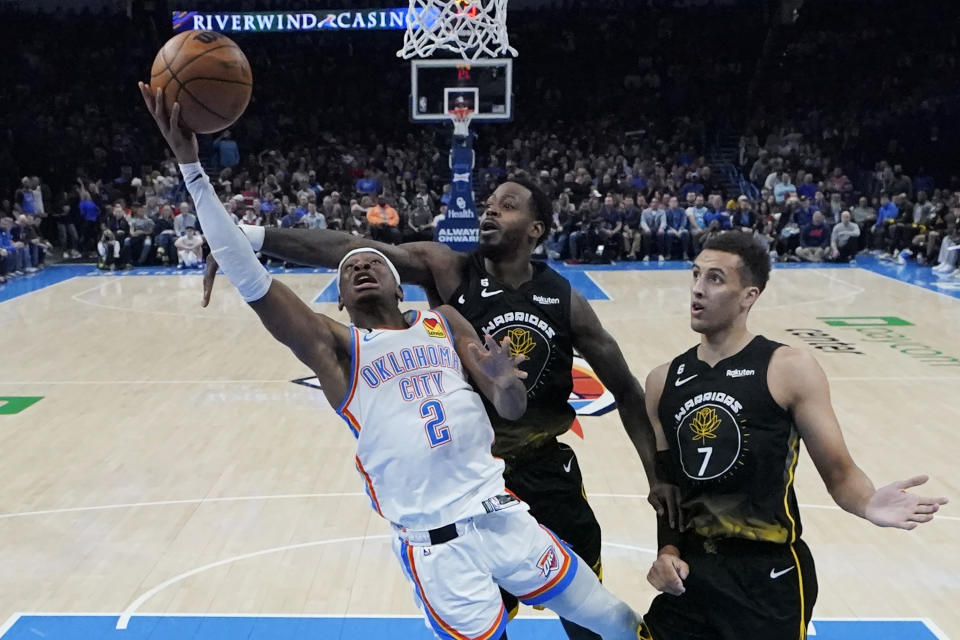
736 449
423 436
536 317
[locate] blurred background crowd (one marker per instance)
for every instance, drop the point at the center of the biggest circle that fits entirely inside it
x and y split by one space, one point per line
819 128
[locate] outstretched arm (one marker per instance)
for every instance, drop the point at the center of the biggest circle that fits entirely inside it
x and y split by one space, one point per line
492 368
431 265
603 355
317 341
325 248
798 384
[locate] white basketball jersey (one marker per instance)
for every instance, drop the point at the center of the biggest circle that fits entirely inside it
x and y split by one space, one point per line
423 437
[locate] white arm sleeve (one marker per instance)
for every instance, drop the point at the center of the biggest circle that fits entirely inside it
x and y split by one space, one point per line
255 235
228 244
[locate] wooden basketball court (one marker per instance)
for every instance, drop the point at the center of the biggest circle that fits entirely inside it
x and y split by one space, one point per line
172 468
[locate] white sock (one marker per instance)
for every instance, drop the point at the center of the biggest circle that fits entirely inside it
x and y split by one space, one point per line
587 603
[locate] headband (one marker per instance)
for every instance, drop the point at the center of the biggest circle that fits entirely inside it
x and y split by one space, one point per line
393 269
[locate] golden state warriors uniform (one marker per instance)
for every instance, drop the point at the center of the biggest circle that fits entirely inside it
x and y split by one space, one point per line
536 317
540 470
735 451
423 451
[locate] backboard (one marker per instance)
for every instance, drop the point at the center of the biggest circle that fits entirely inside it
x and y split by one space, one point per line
437 86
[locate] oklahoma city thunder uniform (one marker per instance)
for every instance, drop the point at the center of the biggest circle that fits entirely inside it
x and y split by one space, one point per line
735 451
423 451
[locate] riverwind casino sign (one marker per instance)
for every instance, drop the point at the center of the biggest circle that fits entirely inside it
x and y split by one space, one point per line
272 21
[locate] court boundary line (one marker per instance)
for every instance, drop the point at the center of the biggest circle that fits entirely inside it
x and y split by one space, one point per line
15 617
12 620
610 298
27 293
76 298
917 285
131 609
164 503
816 270
310 496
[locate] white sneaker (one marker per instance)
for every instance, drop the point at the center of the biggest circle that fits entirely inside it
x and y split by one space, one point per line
66 255
646 258
946 274
30 270
75 254
660 258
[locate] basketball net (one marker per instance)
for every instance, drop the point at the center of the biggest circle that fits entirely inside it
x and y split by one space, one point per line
461 117
471 28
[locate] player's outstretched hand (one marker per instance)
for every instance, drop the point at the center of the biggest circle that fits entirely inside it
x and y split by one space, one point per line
209 276
668 573
182 142
495 361
894 506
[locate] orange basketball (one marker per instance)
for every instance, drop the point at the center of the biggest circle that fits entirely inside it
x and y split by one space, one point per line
207 73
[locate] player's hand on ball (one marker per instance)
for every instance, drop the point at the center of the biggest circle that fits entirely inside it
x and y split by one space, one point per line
668 573
209 276
182 142
893 506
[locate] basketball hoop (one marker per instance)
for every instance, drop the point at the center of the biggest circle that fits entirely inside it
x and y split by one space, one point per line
470 28
461 116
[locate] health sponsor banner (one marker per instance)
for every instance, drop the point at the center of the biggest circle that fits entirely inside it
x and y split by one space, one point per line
459 230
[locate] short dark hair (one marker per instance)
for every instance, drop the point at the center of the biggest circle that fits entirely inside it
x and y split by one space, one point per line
754 260
541 206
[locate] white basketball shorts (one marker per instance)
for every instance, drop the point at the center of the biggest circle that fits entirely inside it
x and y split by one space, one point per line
456 583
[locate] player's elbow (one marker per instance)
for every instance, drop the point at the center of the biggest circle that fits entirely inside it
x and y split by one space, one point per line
626 390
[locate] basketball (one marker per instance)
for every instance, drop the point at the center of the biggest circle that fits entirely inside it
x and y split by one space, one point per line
207 73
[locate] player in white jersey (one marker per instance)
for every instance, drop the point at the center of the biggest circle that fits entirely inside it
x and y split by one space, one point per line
423 436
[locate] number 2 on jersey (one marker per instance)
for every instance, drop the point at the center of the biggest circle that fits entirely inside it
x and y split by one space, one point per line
437 432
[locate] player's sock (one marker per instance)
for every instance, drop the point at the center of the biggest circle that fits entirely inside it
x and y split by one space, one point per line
587 603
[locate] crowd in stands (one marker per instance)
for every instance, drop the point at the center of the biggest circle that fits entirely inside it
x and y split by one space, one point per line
326 142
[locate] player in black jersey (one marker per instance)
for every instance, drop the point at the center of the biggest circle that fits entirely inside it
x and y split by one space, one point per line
729 416
501 292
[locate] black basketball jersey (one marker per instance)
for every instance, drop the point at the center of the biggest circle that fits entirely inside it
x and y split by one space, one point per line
735 448
536 316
